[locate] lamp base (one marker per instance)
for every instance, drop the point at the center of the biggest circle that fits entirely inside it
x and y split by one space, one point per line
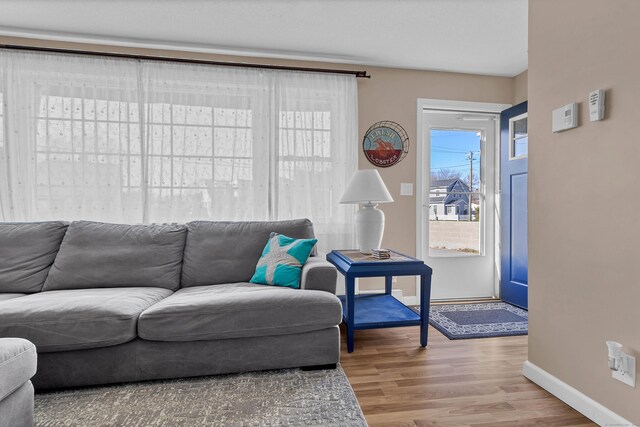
369 227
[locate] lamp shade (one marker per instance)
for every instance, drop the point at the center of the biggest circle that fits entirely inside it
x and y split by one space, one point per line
366 186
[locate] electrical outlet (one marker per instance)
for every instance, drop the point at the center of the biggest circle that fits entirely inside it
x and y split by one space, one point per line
627 374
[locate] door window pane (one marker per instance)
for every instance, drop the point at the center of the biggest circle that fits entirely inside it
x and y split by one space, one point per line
519 136
455 198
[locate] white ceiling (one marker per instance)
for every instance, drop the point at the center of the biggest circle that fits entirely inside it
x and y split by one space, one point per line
469 36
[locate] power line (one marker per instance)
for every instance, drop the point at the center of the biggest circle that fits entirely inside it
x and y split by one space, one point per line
457 169
451 166
453 150
452 146
463 165
462 150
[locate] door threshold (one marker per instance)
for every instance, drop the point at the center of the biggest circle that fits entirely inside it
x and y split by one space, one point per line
464 300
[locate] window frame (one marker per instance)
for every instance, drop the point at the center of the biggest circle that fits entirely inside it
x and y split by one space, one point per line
513 139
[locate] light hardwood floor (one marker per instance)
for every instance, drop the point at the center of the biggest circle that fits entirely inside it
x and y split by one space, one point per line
474 382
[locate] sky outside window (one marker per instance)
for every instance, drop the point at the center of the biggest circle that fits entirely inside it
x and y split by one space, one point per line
450 154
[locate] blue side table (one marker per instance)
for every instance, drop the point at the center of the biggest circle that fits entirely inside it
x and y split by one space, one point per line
372 311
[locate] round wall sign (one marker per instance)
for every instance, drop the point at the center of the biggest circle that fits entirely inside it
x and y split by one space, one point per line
385 144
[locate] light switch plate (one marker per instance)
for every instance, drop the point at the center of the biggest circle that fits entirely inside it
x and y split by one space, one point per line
406 189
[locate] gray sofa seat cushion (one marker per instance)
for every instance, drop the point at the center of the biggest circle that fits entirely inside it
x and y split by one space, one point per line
238 310
4 297
18 360
27 250
95 254
227 252
79 318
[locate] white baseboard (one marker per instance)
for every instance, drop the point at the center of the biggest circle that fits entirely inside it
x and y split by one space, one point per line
582 403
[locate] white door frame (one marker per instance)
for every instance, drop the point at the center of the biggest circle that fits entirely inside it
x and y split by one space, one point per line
459 106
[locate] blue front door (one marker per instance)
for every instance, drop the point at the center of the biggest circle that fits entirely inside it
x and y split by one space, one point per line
514 278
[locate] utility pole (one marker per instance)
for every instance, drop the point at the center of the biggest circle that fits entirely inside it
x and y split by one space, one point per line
470 157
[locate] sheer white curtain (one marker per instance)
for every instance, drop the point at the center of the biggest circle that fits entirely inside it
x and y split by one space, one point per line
316 151
140 141
205 140
71 138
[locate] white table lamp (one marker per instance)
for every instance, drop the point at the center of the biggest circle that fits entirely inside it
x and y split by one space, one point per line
367 188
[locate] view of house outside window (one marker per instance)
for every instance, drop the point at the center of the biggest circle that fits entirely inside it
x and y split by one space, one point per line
455 198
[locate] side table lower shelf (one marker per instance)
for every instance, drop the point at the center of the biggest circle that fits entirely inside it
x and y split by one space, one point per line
373 311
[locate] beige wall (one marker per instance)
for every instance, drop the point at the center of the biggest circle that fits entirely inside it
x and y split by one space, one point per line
391 94
520 83
584 275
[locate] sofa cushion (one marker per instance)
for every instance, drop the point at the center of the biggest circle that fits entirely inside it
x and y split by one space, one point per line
78 318
27 250
238 310
18 360
227 252
95 254
10 296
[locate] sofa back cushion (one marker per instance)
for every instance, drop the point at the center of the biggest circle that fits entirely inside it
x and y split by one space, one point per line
99 255
27 250
227 252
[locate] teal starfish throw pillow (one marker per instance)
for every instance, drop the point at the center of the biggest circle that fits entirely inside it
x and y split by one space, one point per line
282 260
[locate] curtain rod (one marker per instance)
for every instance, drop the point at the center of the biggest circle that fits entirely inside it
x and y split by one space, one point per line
359 74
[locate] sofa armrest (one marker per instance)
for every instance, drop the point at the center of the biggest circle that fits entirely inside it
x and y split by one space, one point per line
18 361
319 275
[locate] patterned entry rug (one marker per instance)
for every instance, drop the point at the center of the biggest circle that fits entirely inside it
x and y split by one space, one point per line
478 320
289 397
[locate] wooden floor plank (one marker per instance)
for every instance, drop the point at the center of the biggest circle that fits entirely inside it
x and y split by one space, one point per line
472 383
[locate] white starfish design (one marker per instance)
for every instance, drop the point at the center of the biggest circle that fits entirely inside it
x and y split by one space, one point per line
277 255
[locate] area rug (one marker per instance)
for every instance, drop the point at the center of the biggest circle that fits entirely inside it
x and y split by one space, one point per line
478 320
271 398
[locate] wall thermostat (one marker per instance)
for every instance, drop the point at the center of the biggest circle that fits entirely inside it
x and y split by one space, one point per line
596 105
565 117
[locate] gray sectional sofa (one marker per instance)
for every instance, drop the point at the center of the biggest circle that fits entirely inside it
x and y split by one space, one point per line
17 366
107 303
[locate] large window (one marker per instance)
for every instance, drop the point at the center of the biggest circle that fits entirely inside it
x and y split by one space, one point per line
201 163
138 142
87 158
